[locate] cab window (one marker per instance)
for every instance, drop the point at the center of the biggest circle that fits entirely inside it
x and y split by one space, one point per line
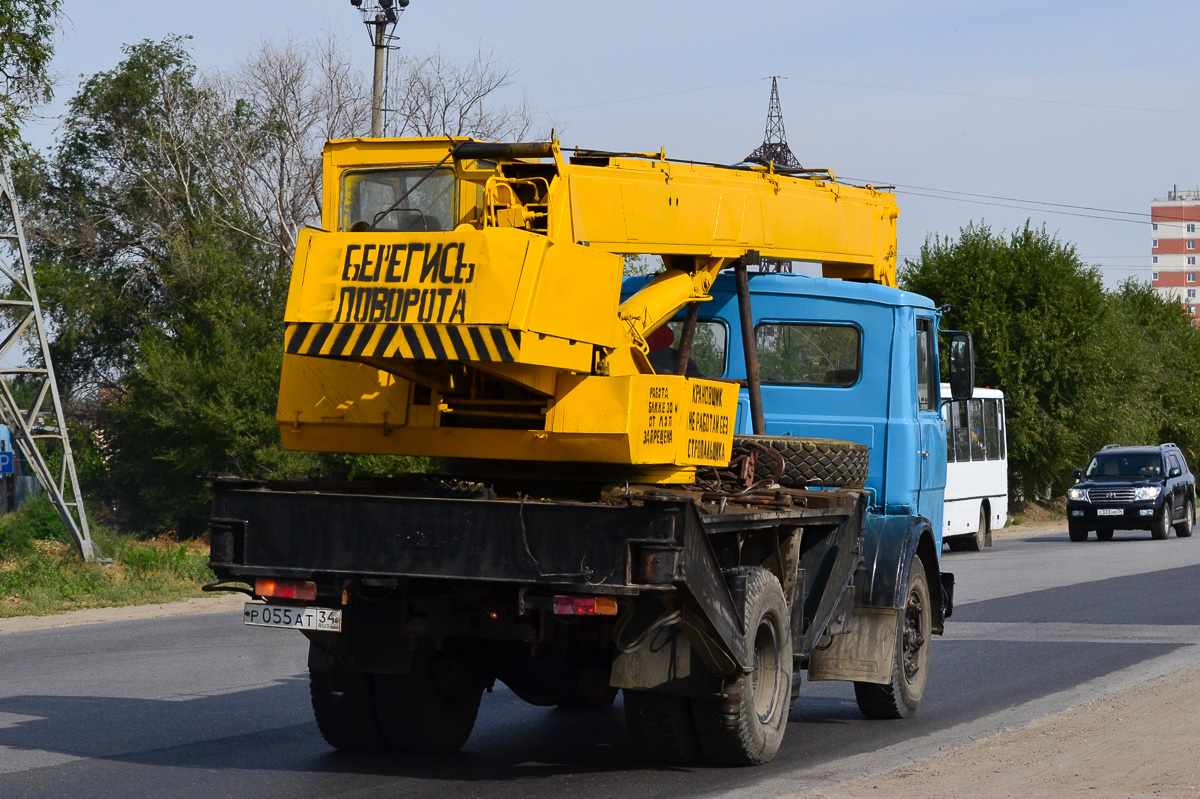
926 385
809 354
398 200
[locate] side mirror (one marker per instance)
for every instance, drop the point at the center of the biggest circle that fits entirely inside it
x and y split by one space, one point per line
1175 472
1077 475
962 364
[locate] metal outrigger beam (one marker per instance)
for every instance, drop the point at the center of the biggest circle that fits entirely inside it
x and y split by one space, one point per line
37 430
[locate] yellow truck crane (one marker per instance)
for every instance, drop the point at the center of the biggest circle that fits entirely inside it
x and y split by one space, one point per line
606 514
463 298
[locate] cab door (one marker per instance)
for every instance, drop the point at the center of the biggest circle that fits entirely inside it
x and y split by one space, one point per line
932 455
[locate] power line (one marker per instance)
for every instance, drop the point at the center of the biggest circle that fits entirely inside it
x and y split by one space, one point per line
1021 207
885 87
1104 106
655 96
917 191
1032 202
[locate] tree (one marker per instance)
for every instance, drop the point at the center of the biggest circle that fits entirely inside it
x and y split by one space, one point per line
435 96
1038 317
26 46
1160 337
166 298
162 228
281 105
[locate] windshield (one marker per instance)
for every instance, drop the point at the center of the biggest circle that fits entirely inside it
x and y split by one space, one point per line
1125 465
429 207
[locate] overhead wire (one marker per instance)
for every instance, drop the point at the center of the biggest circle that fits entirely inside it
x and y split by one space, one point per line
998 201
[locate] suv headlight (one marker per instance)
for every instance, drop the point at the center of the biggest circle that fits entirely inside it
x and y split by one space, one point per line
1077 494
1147 492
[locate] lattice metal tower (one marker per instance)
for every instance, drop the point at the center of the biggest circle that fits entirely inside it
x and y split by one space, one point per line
39 431
774 148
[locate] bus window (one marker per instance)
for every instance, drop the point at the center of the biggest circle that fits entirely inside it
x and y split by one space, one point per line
1002 435
991 428
962 432
976 422
950 432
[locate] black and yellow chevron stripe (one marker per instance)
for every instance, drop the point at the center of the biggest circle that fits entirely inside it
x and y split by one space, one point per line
431 342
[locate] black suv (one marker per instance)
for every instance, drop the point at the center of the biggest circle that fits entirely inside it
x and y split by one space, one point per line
1133 488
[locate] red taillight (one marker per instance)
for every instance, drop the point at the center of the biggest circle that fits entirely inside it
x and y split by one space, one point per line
285 589
585 606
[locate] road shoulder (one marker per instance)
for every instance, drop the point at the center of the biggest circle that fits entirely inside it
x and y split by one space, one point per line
1138 741
191 607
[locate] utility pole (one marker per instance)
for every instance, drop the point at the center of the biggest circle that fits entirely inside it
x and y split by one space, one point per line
380 20
377 84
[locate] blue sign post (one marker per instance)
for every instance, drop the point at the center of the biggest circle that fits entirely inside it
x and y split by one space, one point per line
6 463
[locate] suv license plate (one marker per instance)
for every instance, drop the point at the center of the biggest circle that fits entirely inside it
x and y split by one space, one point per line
293 618
1110 511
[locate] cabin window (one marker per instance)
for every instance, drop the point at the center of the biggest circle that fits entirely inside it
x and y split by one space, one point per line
809 354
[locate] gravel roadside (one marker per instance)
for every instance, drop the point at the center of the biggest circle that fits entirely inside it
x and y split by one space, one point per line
214 604
1135 743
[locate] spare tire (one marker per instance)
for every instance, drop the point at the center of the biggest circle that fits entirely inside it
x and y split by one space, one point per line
813 462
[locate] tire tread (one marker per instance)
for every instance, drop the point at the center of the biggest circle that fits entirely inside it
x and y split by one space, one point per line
808 461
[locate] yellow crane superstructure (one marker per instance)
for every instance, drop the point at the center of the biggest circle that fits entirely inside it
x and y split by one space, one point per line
462 299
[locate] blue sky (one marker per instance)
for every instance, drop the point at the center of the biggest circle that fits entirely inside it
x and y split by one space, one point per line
1086 105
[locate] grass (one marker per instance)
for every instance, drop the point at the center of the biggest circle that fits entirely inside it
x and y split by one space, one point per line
1036 512
41 573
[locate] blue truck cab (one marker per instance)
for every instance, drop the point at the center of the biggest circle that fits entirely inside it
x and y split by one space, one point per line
854 362
841 360
881 390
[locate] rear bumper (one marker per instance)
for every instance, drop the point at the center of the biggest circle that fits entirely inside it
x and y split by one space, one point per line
311 535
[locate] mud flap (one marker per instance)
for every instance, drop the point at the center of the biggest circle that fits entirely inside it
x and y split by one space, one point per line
947 594
664 662
864 654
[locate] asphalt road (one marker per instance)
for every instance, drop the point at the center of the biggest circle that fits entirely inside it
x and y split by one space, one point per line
200 706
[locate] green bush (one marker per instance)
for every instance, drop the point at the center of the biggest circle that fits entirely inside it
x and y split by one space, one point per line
40 569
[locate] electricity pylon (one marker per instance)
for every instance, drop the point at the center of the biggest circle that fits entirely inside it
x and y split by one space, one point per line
38 431
774 149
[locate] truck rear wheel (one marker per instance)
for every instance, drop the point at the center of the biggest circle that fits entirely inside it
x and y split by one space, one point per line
432 708
807 461
899 698
761 699
343 704
660 727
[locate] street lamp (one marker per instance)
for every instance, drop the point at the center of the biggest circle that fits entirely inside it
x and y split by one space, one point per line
380 17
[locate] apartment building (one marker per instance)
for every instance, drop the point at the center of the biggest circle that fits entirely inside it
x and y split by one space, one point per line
1175 222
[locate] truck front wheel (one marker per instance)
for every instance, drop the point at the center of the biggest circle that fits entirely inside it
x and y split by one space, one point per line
899 698
344 706
432 708
743 725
